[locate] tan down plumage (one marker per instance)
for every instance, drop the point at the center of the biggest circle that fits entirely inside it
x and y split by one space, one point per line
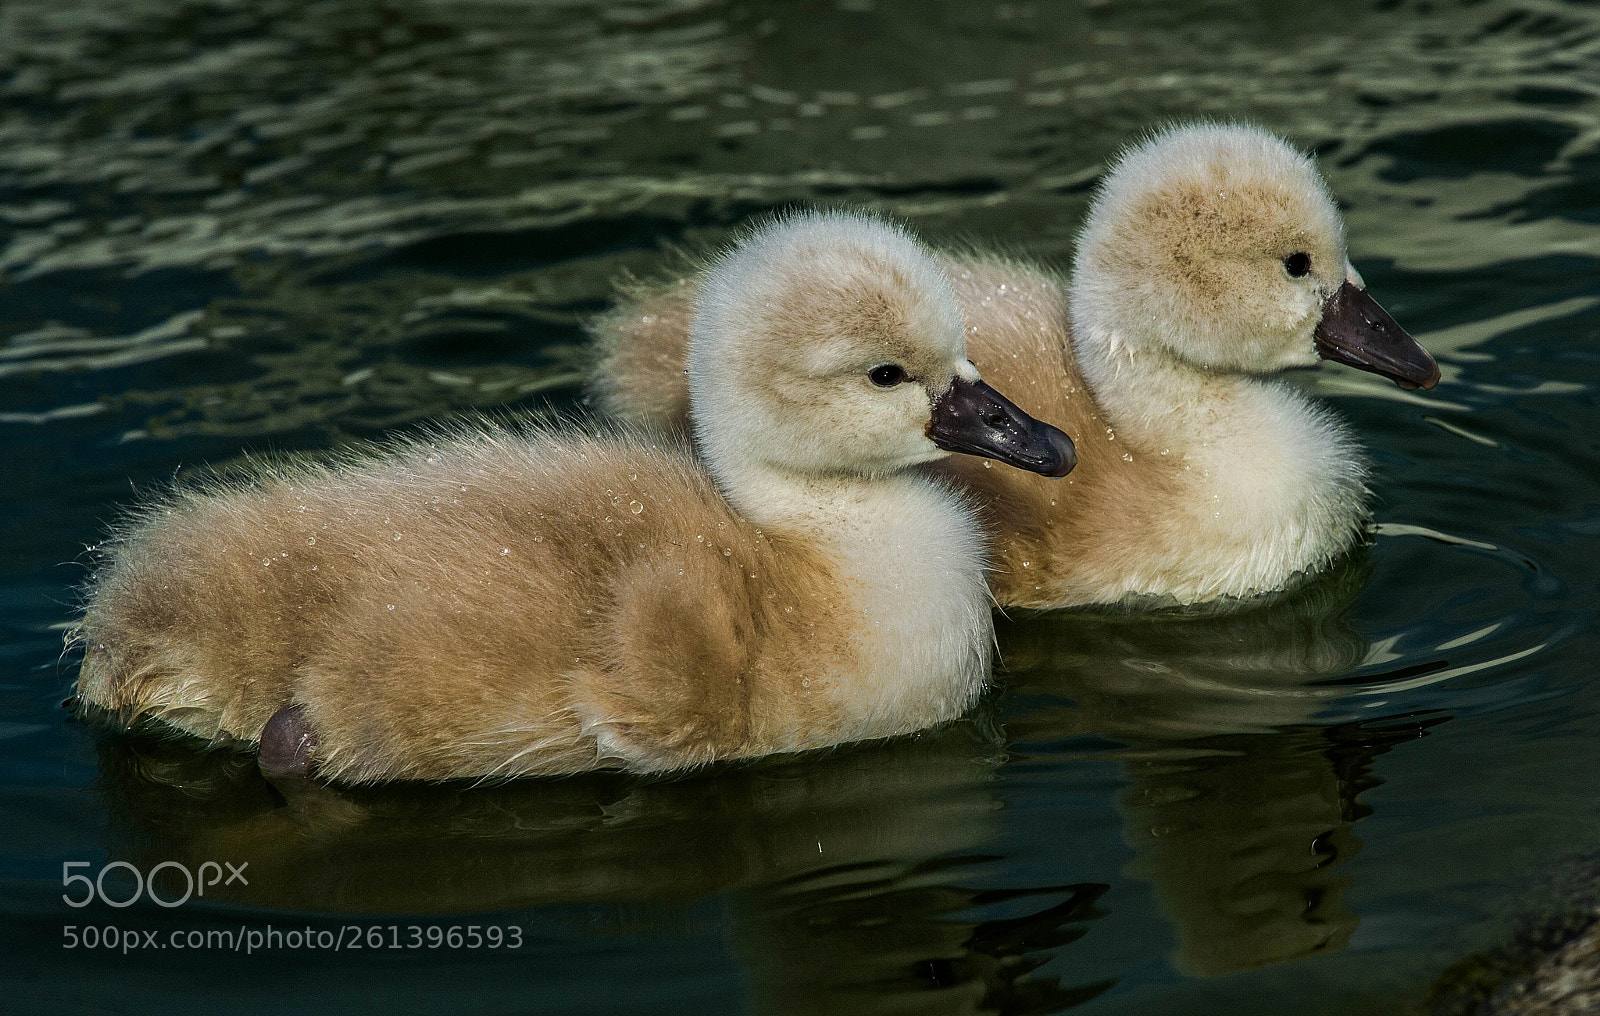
1200 476
505 601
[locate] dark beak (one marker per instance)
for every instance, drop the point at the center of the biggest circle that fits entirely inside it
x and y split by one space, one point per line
973 418
1355 330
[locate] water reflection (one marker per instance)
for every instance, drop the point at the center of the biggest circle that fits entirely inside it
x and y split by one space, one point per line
1242 835
1239 805
841 870
433 849
811 948
1219 669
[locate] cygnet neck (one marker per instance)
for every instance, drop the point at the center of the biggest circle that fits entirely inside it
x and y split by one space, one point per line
782 499
1158 404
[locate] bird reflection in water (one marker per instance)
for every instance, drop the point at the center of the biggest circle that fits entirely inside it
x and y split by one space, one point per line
840 869
1239 805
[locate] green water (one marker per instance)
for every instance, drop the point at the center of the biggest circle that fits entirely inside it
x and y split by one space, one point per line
230 227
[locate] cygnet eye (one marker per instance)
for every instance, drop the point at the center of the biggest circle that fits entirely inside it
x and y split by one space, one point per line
887 375
1297 264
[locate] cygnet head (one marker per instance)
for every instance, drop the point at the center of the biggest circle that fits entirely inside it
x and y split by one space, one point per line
831 343
1221 248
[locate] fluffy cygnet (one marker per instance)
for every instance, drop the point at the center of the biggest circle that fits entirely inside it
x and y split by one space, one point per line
503 602
1212 259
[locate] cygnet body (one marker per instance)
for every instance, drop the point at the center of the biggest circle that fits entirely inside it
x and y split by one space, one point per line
506 602
1212 259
